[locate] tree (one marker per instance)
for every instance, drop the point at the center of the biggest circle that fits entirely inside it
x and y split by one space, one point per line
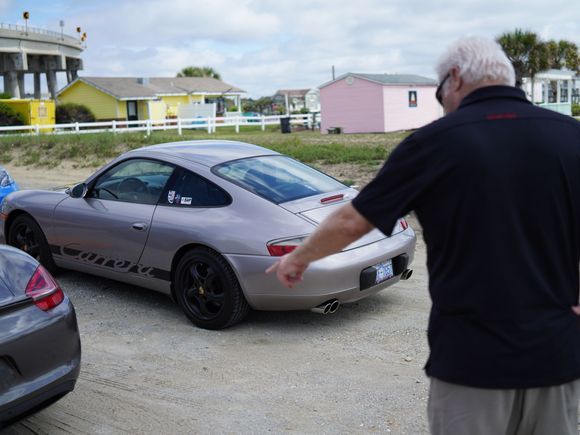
199 71
8 116
563 54
262 105
71 112
527 53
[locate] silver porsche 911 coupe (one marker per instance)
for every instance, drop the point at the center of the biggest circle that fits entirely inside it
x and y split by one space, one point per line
201 221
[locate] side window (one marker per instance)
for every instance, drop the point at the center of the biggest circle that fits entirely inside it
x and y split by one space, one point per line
190 190
139 181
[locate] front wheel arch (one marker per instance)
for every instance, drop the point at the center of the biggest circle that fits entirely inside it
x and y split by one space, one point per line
26 219
9 221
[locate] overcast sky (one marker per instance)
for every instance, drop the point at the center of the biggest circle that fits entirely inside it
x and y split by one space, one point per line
261 46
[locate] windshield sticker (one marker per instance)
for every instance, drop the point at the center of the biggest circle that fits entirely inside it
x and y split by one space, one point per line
186 200
170 196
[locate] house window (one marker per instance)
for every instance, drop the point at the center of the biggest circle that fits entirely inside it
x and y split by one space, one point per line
563 92
552 92
412 98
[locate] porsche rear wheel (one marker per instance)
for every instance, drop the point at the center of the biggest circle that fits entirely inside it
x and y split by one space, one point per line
26 235
208 291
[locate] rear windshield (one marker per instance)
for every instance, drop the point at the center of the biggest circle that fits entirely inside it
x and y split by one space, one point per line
277 178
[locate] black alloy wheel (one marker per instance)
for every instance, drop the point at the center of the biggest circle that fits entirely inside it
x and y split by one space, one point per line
208 291
25 234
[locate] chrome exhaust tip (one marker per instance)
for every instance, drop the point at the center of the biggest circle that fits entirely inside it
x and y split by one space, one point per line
327 307
407 274
334 306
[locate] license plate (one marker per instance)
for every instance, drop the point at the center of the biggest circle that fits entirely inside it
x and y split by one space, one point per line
384 271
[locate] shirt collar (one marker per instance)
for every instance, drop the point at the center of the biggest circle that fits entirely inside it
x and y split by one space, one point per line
489 92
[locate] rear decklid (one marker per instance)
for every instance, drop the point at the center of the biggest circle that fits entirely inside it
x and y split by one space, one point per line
16 269
317 208
6 296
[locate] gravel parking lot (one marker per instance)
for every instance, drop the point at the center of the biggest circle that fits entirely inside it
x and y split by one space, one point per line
147 370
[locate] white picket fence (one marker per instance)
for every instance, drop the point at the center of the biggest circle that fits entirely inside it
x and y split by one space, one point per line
211 124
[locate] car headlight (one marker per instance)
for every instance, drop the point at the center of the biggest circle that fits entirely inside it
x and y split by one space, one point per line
5 178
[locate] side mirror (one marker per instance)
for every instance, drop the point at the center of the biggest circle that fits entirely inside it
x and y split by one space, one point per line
78 191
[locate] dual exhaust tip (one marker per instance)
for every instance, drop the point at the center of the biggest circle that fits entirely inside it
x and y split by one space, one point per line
330 307
327 307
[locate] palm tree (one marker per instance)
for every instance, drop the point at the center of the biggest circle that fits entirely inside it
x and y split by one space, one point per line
563 54
527 53
199 71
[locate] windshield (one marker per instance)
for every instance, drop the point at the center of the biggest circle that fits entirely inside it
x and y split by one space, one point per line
277 178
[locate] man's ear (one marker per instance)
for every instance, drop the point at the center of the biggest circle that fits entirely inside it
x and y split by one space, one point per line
456 80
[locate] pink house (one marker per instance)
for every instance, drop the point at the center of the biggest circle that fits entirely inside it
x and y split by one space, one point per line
378 103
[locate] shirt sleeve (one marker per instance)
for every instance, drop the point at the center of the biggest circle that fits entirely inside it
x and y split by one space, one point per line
395 191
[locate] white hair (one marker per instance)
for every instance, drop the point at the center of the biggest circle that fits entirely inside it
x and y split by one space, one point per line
478 60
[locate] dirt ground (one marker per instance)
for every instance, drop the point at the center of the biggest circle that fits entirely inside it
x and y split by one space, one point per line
147 370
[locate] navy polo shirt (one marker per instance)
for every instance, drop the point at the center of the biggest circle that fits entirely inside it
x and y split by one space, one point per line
496 188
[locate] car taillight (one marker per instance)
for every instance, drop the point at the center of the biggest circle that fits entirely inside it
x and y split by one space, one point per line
283 247
404 224
44 290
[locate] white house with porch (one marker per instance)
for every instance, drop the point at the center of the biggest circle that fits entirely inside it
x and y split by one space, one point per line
552 89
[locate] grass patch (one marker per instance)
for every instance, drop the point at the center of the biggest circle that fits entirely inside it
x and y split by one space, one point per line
94 149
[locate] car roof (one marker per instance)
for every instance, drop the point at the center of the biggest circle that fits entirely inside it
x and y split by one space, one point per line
208 152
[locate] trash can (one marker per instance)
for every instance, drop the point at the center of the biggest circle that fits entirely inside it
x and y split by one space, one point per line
285 124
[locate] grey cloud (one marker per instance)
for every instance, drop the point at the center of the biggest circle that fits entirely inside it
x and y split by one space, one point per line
261 46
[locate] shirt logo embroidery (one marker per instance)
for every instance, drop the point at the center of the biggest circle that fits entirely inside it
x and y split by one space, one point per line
495 116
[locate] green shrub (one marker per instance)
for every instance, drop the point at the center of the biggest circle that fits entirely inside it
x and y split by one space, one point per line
5 95
8 116
575 109
71 112
233 109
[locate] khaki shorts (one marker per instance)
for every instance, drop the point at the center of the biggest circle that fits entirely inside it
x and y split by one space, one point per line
456 410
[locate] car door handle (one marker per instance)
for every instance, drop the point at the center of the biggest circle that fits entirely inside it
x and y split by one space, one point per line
139 226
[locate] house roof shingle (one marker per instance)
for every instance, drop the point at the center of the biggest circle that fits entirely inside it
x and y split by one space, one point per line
126 88
388 79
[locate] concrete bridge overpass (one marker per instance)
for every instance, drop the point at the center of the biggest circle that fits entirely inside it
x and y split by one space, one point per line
29 50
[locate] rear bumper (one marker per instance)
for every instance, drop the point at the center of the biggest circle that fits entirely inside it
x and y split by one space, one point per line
334 277
35 402
40 356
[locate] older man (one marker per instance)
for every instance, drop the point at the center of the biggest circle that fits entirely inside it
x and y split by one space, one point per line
495 185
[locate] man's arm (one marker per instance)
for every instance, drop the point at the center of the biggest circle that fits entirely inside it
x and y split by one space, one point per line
339 230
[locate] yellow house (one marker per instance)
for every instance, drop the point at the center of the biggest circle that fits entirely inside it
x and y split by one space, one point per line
134 98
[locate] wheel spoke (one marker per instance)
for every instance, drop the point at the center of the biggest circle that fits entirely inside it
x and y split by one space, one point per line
196 273
20 240
191 293
26 241
203 290
203 308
